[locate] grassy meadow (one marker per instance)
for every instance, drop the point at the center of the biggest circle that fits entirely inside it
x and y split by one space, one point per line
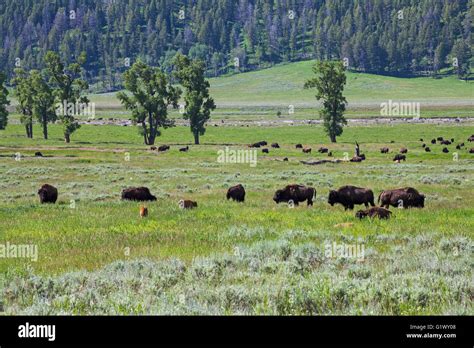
97 256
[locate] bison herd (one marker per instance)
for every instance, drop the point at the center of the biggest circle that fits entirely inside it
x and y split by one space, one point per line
348 196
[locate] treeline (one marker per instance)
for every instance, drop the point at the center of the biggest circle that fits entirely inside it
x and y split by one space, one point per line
380 36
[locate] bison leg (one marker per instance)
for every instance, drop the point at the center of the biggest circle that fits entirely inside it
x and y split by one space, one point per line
310 202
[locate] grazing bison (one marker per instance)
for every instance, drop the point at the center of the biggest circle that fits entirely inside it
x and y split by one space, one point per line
163 148
265 151
295 193
275 146
38 154
445 150
439 138
445 142
285 159
307 150
356 159
137 194
255 145
330 154
187 204
423 145
403 197
299 146
384 150
452 140
349 195
48 194
471 138
153 148
399 158
362 155
471 150
403 150
323 150
237 193
433 141
184 149
374 212
427 149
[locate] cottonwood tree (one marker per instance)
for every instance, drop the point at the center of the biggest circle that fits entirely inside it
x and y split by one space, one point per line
151 95
43 101
198 103
24 95
329 83
68 89
3 102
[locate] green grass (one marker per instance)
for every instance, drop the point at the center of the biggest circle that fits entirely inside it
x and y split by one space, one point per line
417 262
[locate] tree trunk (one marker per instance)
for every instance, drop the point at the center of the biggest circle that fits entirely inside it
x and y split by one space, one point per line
45 128
67 138
196 138
333 138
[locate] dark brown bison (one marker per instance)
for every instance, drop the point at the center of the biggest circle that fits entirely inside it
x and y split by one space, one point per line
295 193
299 146
439 138
471 150
285 159
48 194
255 145
307 150
445 142
323 150
403 197
421 139
374 212
423 145
445 150
137 194
384 150
153 148
275 146
184 149
433 141
237 193
403 150
399 158
330 154
349 195
187 204
38 154
265 151
163 148
471 138
356 159
427 149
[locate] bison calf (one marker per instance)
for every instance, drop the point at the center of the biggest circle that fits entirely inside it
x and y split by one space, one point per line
349 195
48 194
187 204
143 211
236 193
374 212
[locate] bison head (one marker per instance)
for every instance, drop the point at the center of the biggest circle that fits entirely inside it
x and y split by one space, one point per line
277 197
420 201
43 194
361 214
333 197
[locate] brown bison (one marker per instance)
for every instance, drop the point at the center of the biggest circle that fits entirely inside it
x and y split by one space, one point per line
439 138
237 193
307 150
323 150
445 142
356 159
296 194
299 146
403 150
187 204
384 150
349 195
143 211
445 150
265 151
153 148
48 194
163 148
399 158
427 149
184 149
137 194
38 154
433 141
275 146
471 150
374 212
471 138
403 197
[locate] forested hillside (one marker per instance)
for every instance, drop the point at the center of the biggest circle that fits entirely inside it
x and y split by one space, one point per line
397 37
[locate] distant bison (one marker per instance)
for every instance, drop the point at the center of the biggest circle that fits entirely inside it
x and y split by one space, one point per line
236 193
471 150
374 212
275 146
423 145
187 204
356 159
143 211
433 141
48 194
184 149
349 195
299 146
38 154
163 148
153 148
384 150
265 151
403 197
307 150
403 150
427 149
295 193
323 150
439 138
399 158
137 194
445 150
471 138
445 142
